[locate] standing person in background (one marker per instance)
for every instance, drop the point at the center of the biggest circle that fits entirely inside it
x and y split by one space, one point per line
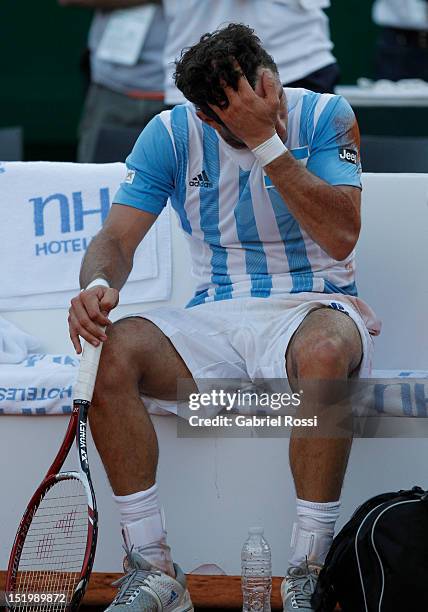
127 77
295 32
402 45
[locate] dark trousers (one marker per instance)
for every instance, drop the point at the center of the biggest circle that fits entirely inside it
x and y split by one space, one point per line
321 81
105 108
401 54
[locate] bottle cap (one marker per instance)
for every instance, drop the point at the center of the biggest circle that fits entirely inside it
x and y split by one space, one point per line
256 530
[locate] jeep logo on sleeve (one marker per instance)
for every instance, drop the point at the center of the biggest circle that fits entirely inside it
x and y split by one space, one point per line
348 155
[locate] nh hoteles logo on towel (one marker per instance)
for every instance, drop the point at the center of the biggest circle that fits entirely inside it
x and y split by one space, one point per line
71 214
56 210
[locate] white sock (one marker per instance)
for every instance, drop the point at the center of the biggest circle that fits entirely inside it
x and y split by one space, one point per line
313 532
143 527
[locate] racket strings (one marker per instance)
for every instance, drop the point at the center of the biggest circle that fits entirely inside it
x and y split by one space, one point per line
54 548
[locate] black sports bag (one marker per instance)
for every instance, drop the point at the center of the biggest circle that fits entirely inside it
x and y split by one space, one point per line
378 562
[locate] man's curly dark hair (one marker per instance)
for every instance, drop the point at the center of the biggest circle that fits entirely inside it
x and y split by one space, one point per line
202 67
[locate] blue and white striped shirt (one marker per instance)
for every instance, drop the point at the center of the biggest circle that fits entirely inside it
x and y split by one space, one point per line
243 239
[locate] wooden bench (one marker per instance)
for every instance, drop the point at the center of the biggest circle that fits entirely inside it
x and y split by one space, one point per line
218 592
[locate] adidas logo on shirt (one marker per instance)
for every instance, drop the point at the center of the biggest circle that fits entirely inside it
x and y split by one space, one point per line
201 180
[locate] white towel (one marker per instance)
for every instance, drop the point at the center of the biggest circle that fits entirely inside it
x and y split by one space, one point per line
48 214
42 384
15 344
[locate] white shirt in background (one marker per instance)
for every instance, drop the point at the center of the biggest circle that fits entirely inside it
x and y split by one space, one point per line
407 14
295 32
146 74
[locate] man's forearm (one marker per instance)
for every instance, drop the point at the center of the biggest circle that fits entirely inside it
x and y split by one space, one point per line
105 259
107 4
326 213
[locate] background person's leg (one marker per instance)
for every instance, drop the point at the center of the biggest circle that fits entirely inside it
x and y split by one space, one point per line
398 57
105 108
136 357
323 80
326 347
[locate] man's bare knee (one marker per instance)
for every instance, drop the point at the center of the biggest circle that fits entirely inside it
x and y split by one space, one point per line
138 357
125 356
321 355
326 346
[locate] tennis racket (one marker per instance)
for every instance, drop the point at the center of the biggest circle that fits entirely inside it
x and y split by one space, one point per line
54 548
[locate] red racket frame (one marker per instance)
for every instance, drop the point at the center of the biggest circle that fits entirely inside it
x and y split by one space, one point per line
76 430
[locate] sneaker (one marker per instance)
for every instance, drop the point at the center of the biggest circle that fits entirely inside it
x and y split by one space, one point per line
145 588
298 586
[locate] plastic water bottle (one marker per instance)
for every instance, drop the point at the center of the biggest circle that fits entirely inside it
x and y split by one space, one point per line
256 572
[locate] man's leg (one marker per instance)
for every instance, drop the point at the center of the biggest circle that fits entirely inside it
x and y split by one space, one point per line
105 108
326 347
323 80
136 358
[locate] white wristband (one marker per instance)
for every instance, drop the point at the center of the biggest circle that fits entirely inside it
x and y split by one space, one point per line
269 150
96 282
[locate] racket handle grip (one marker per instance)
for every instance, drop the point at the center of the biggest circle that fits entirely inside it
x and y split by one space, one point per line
85 383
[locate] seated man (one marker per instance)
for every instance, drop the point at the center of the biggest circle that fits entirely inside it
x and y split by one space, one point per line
266 184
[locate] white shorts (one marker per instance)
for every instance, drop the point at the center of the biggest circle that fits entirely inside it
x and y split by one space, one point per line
247 338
